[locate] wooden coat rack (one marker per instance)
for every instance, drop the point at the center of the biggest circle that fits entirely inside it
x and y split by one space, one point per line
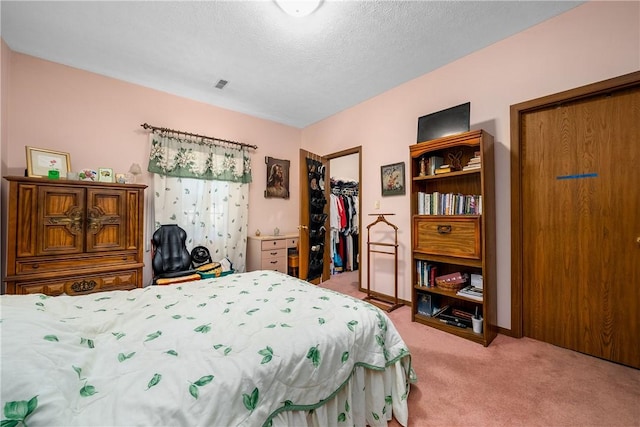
371 247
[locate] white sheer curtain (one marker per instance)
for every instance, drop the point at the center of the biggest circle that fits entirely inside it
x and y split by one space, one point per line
204 188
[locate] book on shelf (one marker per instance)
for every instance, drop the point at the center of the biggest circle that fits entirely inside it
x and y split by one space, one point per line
448 204
438 311
426 273
456 320
443 169
476 280
428 306
425 304
433 163
462 314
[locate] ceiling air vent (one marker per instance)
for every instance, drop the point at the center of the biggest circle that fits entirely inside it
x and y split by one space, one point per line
221 84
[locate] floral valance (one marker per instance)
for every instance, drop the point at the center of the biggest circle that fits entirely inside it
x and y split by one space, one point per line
184 158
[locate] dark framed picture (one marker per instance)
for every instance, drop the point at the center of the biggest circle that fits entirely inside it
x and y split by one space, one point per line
392 179
277 178
40 161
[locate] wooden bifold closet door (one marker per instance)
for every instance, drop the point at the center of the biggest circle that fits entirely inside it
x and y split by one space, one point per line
580 224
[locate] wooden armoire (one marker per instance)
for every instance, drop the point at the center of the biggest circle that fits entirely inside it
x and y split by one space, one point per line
73 237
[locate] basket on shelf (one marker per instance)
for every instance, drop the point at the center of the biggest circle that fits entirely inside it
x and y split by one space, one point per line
451 282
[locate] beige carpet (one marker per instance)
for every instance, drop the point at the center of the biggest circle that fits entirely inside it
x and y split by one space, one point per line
513 382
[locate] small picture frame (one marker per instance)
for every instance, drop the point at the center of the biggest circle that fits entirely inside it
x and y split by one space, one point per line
41 160
121 178
105 175
392 179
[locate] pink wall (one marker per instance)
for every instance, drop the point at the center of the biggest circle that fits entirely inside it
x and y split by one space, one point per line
592 42
5 55
97 120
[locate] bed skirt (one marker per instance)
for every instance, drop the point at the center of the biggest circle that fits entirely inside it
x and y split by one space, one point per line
369 397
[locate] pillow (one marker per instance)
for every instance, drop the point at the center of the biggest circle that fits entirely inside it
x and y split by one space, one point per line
180 279
212 269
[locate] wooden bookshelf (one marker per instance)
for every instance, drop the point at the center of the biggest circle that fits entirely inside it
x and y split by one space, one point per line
463 241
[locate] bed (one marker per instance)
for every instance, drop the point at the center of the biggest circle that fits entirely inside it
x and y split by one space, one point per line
250 349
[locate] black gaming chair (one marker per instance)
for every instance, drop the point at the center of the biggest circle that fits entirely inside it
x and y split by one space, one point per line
171 260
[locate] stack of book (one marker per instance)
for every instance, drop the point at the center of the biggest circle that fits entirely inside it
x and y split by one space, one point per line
474 163
471 292
452 317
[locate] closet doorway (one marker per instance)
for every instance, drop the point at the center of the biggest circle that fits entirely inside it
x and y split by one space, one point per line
345 224
312 236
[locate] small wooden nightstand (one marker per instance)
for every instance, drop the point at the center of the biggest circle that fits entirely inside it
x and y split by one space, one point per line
271 252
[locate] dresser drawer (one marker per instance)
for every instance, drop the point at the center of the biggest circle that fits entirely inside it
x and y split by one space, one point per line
448 235
274 253
80 285
274 244
292 242
277 264
45 264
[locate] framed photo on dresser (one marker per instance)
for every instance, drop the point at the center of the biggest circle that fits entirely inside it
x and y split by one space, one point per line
41 160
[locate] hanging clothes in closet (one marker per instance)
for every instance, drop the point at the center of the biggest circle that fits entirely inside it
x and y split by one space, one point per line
344 225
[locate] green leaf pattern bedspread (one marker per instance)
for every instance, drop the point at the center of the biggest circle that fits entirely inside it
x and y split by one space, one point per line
236 350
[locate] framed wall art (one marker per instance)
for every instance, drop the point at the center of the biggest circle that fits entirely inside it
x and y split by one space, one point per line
41 160
277 178
392 179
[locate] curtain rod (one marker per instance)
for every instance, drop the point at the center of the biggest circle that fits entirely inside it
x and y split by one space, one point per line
179 132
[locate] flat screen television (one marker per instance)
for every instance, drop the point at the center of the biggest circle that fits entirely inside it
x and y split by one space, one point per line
444 123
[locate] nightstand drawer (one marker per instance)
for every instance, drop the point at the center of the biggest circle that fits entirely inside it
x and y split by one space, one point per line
448 235
277 264
274 244
292 242
274 253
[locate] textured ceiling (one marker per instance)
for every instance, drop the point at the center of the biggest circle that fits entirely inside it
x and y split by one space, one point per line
294 71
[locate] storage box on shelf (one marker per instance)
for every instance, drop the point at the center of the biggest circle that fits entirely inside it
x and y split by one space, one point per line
453 231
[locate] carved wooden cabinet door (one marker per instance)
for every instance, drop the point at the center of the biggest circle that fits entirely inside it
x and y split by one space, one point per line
58 220
106 220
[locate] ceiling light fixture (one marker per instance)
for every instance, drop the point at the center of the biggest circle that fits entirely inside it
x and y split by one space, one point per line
298 8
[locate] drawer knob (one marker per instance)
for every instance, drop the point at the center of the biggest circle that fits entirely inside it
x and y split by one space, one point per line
274 262
444 229
34 266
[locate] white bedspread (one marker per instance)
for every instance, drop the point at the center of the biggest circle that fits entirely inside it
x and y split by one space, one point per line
245 349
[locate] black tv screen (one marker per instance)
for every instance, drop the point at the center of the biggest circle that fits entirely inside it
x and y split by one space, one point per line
444 123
